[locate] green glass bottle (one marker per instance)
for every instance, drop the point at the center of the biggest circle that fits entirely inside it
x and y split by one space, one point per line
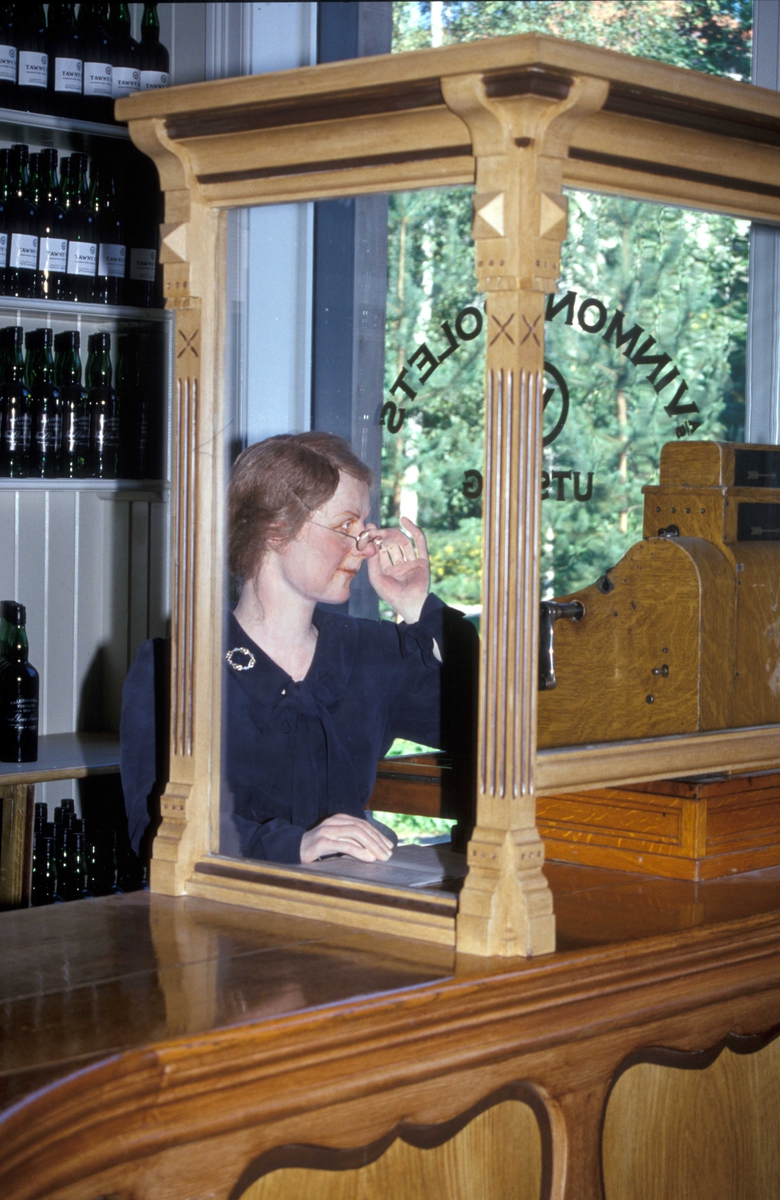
45 405
75 407
20 277
18 689
66 65
91 26
152 53
110 232
132 401
7 57
104 410
80 228
44 870
15 415
122 53
33 61
52 238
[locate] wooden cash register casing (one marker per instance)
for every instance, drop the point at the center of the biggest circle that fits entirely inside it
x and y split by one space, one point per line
517 1057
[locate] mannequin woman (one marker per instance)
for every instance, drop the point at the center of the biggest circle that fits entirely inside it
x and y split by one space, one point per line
312 698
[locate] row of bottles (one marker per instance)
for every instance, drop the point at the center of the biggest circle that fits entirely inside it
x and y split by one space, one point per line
51 426
19 687
63 236
72 860
77 66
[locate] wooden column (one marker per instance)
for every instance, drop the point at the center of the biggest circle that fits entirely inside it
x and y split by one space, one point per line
193 258
520 144
17 805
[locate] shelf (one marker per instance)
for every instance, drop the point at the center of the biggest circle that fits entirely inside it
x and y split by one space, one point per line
74 311
63 133
66 756
106 489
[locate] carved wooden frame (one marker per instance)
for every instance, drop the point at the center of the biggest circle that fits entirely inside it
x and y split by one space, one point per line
522 117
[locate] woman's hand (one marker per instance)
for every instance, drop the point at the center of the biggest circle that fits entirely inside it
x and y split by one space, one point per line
399 571
342 834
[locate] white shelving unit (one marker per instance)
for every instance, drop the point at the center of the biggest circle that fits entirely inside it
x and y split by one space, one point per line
88 558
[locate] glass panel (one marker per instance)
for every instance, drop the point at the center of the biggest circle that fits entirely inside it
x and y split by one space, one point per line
311 698
706 35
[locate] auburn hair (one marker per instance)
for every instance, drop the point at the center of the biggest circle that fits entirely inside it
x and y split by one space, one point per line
274 485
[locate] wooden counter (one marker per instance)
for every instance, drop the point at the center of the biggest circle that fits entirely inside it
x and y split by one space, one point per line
179 1049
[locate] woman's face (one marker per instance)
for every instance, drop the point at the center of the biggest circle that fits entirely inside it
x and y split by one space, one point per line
320 563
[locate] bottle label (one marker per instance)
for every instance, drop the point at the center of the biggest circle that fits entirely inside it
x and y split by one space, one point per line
68 73
3 249
24 252
17 432
33 68
142 264
53 255
125 81
107 434
82 258
8 63
48 433
21 715
151 80
97 79
111 260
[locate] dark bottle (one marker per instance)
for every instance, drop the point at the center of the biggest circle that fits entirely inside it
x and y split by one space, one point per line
122 53
72 876
33 179
45 406
4 192
18 689
14 407
66 67
52 239
44 870
7 57
41 818
152 54
141 283
75 408
92 26
110 231
101 861
32 60
104 412
132 403
80 229
21 274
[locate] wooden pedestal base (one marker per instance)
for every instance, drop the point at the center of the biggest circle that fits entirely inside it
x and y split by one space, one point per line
692 829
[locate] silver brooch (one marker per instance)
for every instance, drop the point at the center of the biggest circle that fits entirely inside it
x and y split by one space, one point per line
237 666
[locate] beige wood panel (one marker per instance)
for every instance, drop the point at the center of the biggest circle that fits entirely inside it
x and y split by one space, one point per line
712 1134
497 1156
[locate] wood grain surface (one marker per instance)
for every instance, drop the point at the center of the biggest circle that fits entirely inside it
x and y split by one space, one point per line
707 1134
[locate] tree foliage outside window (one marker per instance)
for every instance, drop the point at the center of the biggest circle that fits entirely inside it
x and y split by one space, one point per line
680 275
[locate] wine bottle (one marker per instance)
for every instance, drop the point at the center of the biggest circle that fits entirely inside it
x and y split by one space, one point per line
14 407
72 874
104 411
45 406
7 57
52 239
80 229
92 28
66 66
34 179
41 818
21 274
32 59
141 284
109 228
18 689
132 403
122 53
153 55
75 408
4 191
44 870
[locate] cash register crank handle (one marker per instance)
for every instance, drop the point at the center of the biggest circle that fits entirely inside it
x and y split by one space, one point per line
551 612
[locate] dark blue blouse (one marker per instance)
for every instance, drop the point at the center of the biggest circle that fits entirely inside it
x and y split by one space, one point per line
294 753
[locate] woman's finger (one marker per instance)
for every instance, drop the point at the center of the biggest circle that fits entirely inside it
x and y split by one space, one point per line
417 536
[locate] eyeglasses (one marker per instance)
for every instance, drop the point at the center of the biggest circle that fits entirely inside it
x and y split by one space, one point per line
362 540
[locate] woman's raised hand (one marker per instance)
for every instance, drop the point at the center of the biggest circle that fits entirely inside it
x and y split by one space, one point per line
399 571
342 834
